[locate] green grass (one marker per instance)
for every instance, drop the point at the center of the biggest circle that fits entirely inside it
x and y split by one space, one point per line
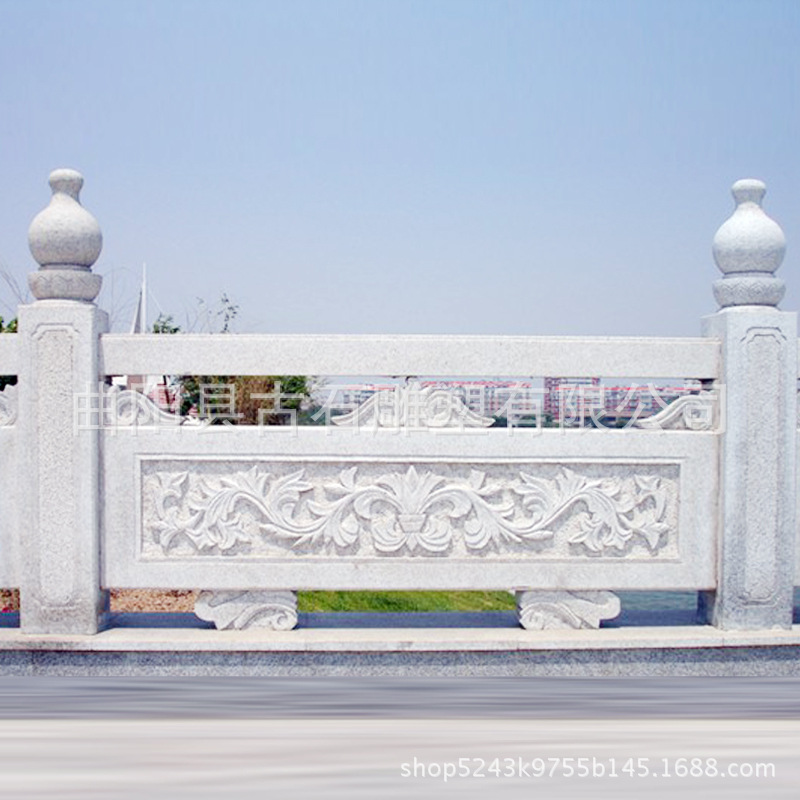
405 601
470 601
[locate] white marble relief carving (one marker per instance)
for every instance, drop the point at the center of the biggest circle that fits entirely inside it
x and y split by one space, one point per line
413 407
238 610
422 510
123 408
547 610
693 412
8 406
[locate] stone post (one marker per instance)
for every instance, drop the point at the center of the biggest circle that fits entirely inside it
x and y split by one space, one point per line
755 561
59 470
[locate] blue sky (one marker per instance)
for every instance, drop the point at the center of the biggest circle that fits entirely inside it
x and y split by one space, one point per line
442 166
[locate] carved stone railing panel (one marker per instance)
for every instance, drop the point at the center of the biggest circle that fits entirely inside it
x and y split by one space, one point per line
366 510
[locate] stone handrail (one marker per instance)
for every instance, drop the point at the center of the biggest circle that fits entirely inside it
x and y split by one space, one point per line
267 354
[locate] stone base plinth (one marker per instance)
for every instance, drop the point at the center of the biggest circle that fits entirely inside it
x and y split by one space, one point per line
437 644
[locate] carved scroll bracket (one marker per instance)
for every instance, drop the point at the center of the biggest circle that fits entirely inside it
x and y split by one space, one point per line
239 610
8 406
541 610
128 408
413 407
694 412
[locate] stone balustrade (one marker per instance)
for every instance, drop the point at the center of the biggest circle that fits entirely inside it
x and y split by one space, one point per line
99 488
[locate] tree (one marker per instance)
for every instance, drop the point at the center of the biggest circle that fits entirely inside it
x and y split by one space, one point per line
237 399
165 324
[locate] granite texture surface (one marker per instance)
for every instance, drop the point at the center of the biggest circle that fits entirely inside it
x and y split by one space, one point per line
480 643
741 662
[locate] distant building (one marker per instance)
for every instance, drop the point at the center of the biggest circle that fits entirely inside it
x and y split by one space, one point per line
569 397
509 399
513 400
562 402
578 402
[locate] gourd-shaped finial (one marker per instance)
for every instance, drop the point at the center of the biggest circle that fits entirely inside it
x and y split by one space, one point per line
748 248
65 240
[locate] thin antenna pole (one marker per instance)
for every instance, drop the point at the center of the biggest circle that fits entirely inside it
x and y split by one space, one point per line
144 298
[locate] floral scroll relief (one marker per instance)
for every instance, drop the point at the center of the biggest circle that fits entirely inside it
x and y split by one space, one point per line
405 510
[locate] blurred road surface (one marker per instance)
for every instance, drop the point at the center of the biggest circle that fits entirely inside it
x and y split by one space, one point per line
246 738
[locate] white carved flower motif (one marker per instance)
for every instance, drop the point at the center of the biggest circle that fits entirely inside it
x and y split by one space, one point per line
416 512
